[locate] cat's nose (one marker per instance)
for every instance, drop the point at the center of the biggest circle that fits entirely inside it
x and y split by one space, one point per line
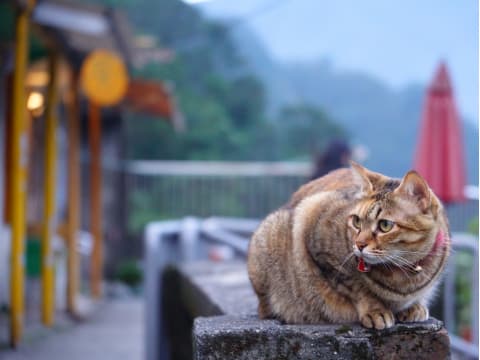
361 247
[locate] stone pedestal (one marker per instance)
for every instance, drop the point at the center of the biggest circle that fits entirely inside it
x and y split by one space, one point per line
220 299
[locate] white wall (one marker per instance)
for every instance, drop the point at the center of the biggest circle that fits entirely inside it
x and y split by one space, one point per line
4 231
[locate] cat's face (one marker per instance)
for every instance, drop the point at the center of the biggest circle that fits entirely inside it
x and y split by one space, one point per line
393 224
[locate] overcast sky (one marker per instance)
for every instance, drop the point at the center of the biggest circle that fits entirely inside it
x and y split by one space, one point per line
401 42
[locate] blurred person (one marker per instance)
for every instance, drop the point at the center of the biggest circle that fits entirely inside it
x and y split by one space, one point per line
337 154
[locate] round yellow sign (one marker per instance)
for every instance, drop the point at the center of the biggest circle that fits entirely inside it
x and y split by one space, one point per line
104 77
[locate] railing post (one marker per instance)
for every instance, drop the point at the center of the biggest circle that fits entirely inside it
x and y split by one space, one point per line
189 234
156 256
448 299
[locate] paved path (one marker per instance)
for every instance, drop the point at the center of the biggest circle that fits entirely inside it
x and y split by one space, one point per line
113 332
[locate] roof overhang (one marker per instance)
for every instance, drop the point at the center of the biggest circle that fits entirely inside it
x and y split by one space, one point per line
78 28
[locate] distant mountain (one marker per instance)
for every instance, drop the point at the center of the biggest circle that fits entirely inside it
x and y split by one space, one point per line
384 120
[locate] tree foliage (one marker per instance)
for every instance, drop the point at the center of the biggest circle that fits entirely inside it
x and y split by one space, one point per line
223 103
305 129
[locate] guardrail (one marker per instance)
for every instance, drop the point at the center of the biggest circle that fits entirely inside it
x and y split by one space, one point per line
170 242
174 189
469 243
174 241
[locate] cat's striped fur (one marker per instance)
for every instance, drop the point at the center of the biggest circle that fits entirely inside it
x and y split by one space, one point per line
303 259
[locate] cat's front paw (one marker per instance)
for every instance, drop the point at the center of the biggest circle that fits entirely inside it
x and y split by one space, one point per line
416 312
378 319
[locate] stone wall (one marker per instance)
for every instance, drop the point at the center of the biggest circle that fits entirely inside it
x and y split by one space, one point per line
218 303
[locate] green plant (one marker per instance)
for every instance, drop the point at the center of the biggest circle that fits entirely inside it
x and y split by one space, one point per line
473 226
463 288
130 273
33 257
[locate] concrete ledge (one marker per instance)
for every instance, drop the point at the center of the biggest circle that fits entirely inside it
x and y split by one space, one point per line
230 337
220 299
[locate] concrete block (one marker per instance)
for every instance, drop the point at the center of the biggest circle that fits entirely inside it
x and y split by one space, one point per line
235 338
221 300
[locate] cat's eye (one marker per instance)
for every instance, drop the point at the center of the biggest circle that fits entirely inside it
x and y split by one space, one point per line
356 222
385 225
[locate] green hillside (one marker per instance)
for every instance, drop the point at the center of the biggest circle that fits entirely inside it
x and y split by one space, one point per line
384 120
222 99
240 104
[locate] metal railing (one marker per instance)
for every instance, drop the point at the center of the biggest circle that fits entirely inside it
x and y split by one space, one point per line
169 242
174 189
467 243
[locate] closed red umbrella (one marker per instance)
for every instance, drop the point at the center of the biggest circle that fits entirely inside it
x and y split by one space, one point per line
439 154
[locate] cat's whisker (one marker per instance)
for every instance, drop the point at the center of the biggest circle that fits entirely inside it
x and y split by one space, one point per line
387 265
393 260
347 258
408 252
412 267
403 271
403 261
384 254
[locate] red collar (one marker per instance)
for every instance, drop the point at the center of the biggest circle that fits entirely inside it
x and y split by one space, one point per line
439 243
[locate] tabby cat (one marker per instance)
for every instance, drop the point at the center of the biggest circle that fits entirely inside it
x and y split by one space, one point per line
353 245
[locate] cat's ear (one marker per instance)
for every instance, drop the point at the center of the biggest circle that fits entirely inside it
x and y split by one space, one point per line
361 177
416 188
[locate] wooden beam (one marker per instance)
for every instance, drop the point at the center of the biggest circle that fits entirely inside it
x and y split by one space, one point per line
18 173
95 135
74 189
48 223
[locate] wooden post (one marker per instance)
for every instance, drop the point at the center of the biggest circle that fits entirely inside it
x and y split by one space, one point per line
95 135
17 174
49 223
73 213
104 80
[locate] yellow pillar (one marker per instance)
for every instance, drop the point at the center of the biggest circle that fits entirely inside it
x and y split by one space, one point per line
73 214
17 174
49 223
95 135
